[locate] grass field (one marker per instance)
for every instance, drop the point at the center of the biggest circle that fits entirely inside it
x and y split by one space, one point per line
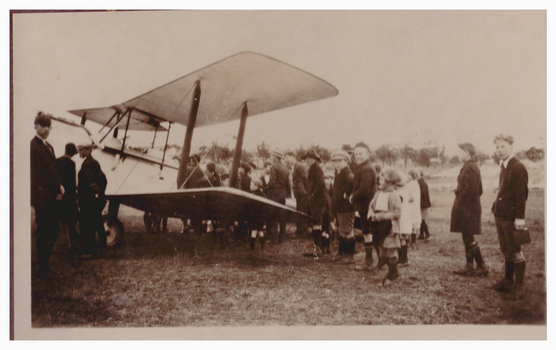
180 280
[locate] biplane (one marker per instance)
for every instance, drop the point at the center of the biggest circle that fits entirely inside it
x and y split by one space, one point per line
240 86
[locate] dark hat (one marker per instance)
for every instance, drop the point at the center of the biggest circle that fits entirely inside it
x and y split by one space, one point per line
246 167
43 119
362 144
311 154
277 154
468 147
211 167
71 150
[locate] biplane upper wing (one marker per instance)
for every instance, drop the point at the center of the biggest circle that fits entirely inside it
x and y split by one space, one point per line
265 83
215 203
107 116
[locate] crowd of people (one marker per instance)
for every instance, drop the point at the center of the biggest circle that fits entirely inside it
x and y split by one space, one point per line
389 206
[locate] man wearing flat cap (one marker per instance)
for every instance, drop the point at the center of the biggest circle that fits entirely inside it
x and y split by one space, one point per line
299 178
46 192
318 201
279 189
91 184
342 209
68 210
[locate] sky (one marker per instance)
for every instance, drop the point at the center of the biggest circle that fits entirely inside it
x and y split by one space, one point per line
404 77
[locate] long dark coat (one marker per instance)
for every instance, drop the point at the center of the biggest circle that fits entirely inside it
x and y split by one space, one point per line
512 193
279 187
466 212
316 187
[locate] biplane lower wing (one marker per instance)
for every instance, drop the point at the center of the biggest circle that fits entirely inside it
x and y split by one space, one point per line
213 203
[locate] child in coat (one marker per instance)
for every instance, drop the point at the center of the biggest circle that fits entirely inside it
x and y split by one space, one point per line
256 225
384 213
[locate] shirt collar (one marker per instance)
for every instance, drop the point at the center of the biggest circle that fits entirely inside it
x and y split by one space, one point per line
505 162
40 138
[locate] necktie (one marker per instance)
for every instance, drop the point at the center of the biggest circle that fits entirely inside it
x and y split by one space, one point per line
50 149
502 172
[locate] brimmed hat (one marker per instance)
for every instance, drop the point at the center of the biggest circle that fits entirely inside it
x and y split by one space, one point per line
311 154
84 145
339 155
277 154
246 167
71 150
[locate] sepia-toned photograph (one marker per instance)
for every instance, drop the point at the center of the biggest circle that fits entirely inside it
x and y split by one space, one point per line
279 174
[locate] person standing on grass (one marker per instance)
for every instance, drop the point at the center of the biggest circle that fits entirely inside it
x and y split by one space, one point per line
342 209
509 214
91 186
466 211
384 212
69 211
405 221
318 201
299 178
363 191
279 189
46 192
256 224
425 205
414 204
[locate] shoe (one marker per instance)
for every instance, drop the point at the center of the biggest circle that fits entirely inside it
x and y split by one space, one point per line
337 258
517 292
364 267
465 271
405 264
386 283
481 271
503 286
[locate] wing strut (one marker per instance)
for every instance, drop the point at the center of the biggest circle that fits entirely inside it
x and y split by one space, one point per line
191 121
120 117
126 127
239 144
165 146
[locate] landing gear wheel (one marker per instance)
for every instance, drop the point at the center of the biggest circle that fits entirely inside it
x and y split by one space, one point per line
114 232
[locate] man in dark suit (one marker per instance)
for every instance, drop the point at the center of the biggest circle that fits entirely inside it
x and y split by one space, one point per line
68 210
318 201
425 205
279 189
91 186
509 214
46 192
299 178
363 191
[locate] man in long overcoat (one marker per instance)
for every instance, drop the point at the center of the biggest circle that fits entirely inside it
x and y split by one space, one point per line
299 179
466 211
318 199
91 186
279 188
46 192
425 205
69 211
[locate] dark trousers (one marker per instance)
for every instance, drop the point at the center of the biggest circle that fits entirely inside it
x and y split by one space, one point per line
46 217
302 206
277 218
91 223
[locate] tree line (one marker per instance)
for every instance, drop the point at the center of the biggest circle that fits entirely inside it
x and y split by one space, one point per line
433 155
